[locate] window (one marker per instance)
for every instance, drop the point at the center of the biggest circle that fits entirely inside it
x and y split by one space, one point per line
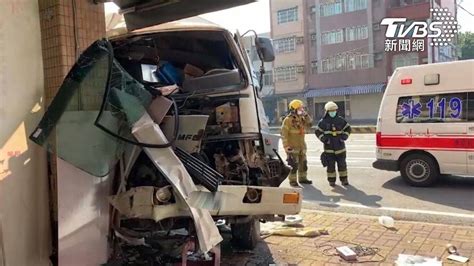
346 62
402 3
285 73
357 33
405 59
364 61
285 45
268 78
313 39
331 37
253 54
354 5
314 67
435 108
331 8
287 15
312 12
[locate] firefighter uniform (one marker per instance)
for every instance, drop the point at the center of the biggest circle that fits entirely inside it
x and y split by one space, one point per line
293 132
333 131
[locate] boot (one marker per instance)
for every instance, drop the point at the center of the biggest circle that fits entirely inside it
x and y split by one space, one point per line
294 184
306 181
344 181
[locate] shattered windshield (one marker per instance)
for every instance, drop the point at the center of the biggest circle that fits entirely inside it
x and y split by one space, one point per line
97 99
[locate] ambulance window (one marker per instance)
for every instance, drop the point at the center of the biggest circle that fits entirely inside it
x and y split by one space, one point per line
470 106
436 108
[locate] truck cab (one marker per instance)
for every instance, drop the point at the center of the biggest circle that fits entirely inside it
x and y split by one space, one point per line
172 113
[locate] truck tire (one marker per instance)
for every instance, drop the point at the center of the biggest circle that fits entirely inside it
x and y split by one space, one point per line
419 170
246 235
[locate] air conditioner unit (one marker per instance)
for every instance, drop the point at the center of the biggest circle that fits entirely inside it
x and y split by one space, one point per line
300 69
299 40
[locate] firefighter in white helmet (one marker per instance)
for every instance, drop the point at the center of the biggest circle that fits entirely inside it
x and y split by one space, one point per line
293 131
333 131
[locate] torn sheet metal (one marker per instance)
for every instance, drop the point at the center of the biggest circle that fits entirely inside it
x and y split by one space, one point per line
146 131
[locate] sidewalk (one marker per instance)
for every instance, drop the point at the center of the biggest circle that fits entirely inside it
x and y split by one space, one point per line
414 238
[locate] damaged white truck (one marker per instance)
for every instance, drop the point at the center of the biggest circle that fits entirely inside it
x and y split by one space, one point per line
173 113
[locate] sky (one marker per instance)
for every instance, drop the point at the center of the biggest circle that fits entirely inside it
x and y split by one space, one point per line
256 16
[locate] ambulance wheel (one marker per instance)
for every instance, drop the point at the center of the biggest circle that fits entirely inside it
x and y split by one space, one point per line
246 235
419 170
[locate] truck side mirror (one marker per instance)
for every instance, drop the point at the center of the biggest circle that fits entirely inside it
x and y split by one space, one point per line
265 49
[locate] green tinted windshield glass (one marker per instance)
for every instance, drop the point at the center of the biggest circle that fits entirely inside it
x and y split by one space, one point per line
95 107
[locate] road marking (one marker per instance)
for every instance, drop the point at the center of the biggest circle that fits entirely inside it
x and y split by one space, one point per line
348 152
349 166
339 204
347 159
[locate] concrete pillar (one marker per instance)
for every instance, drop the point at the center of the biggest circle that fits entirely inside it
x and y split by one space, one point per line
24 213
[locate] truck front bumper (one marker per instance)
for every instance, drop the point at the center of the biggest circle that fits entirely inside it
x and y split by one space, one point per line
140 202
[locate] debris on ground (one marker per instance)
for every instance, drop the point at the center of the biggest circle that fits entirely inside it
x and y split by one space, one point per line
387 221
292 229
458 258
410 260
293 219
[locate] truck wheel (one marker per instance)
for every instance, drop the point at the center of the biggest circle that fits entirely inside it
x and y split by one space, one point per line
419 170
246 235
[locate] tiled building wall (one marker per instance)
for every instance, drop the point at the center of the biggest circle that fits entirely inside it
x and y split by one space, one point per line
67 28
64 34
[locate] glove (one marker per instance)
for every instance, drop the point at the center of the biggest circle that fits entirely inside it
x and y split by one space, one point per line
291 160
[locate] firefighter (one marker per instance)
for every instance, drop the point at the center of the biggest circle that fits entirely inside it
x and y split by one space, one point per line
333 131
293 131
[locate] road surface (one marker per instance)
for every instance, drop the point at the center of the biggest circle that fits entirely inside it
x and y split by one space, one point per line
378 192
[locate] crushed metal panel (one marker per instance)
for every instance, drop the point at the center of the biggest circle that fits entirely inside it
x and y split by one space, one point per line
146 131
134 203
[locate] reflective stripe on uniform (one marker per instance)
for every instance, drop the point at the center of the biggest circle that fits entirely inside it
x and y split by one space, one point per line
347 125
321 137
294 131
331 174
343 173
335 152
320 129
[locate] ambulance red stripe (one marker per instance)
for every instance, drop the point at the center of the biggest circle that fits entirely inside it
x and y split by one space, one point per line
452 142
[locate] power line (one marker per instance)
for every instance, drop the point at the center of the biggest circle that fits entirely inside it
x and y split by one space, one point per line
467 11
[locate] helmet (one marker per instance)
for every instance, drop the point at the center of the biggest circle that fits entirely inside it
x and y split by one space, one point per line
330 106
295 104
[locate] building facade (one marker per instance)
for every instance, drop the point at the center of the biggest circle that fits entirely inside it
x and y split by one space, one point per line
334 50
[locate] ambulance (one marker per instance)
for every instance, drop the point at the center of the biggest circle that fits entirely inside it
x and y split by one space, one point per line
425 125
